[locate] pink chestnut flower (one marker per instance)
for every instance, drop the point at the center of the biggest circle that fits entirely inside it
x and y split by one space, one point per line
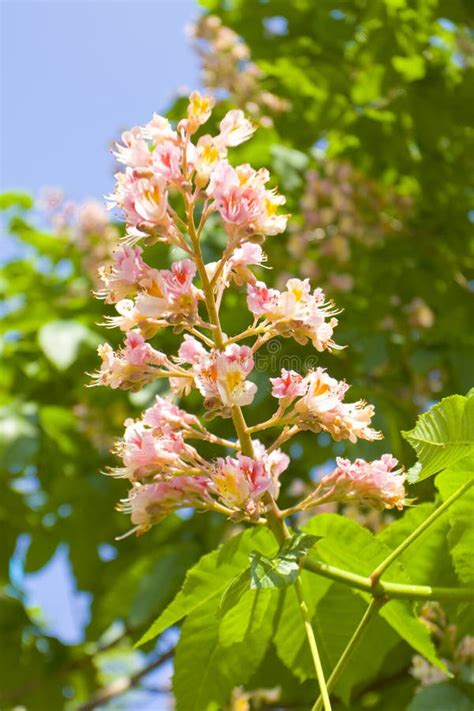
378 484
159 130
289 385
167 161
134 152
128 264
322 408
165 414
145 454
240 482
240 197
139 352
207 154
191 350
131 366
150 503
261 299
178 280
199 110
220 376
237 266
349 421
177 297
322 393
276 462
234 129
249 254
232 367
144 200
129 317
295 312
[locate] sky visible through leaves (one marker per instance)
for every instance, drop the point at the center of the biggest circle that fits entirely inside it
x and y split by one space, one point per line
84 36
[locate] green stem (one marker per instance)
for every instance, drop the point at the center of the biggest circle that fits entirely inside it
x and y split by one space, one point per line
325 701
281 532
380 569
386 589
372 609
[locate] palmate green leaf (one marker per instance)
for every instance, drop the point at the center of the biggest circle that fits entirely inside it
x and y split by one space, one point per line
272 572
209 663
283 569
238 587
348 545
210 576
157 586
249 613
440 697
428 562
60 341
298 546
461 517
443 435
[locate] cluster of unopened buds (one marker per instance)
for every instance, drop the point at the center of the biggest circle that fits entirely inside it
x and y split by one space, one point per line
171 185
457 651
86 225
227 65
341 207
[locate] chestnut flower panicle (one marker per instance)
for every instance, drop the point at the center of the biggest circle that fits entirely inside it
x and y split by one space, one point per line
170 186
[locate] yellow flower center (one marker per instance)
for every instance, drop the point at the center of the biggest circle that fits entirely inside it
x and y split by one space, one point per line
233 380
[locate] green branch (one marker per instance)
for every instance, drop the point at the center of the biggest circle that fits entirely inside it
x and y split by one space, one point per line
386 589
281 532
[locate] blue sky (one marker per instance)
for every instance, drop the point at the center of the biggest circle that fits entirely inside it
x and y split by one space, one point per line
77 72
74 74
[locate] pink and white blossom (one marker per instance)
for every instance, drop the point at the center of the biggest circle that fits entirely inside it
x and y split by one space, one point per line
135 152
165 414
173 295
150 503
322 408
289 385
170 186
379 483
143 199
130 367
261 300
124 275
220 376
241 482
191 350
199 110
297 312
237 267
243 202
235 128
